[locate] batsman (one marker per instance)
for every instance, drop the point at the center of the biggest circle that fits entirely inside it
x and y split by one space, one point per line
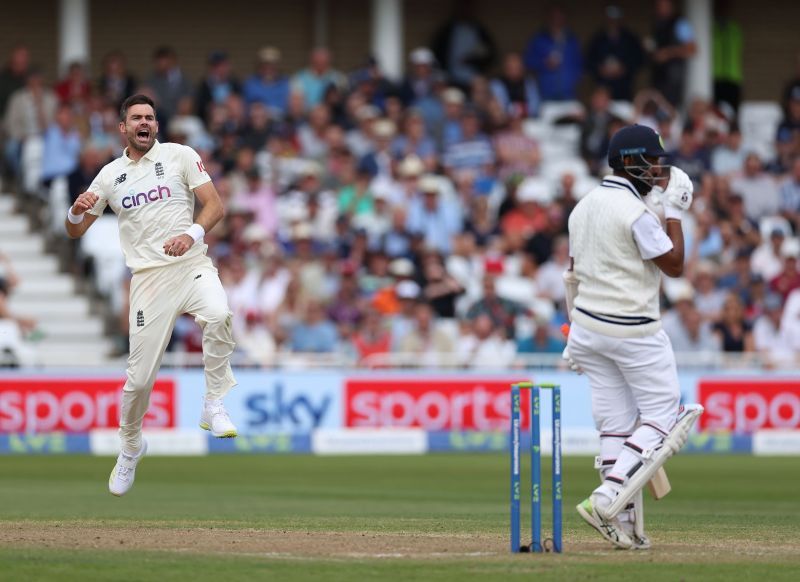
618 250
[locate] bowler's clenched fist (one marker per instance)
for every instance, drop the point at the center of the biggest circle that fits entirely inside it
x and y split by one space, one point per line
178 245
85 201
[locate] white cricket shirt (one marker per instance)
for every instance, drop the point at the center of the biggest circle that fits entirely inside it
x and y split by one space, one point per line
153 200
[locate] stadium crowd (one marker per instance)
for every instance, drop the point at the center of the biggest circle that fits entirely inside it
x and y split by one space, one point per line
424 221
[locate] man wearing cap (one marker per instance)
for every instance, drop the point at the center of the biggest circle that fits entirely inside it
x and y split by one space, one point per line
268 85
437 220
619 250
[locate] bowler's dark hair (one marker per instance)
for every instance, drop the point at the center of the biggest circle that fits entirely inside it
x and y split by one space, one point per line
135 100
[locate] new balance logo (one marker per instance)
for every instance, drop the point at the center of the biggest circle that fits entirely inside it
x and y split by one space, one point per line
140 318
159 170
120 179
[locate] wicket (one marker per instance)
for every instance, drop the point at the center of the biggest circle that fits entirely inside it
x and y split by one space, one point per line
537 545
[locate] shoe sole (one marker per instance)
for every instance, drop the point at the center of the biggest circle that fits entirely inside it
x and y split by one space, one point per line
223 435
589 519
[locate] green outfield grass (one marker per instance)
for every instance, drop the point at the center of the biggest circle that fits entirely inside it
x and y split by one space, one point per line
435 517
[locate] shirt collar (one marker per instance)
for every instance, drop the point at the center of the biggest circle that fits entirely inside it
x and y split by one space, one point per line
151 154
612 181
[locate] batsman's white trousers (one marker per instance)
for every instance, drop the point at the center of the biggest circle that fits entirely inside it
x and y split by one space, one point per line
630 378
158 297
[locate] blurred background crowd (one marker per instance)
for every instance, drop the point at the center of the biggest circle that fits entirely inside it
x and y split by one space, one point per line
422 221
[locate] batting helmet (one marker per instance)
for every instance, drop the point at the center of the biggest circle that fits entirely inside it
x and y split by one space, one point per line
639 142
634 140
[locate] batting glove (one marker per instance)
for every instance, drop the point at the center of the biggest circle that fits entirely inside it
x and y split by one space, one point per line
573 365
678 194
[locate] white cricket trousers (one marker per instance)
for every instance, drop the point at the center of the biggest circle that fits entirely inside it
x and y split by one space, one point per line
635 391
158 297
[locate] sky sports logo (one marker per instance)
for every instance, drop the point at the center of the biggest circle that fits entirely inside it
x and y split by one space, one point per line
134 199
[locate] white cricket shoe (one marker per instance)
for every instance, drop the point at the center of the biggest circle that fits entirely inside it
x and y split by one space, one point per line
215 419
610 529
121 479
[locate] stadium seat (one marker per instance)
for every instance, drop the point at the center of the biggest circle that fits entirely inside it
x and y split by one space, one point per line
101 244
758 121
554 111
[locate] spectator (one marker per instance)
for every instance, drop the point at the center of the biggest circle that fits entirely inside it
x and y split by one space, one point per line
790 196
516 92
596 130
472 151
450 128
30 111
439 288
671 45
115 82
733 331
380 157
259 199
485 345
767 337
757 189
348 306
217 85
372 337
62 145
709 297
75 88
789 278
314 79
503 312
14 74
767 260
729 156
555 56
542 341
463 46
415 141
168 83
425 344
529 216
268 85
421 85
432 217
690 156
314 333
614 56
691 334
311 134
727 51
517 153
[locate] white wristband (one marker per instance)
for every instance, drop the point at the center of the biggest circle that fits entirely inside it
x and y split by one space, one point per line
74 218
672 212
196 232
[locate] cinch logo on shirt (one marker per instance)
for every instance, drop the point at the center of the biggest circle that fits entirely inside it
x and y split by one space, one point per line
133 199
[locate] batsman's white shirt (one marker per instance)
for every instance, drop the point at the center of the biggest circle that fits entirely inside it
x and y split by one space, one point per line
153 200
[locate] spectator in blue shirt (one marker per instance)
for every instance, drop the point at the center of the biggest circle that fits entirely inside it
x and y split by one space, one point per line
434 219
314 80
62 145
473 151
268 85
315 333
555 56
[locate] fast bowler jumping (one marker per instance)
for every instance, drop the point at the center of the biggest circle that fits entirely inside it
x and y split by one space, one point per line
152 189
619 250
